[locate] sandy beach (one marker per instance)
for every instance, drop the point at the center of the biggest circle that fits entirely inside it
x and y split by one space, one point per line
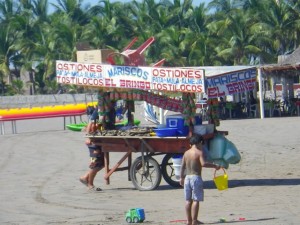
40 167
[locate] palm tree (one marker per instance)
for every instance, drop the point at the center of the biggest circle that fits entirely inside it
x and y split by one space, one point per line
109 26
73 9
279 23
18 86
171 43
6 50
8 37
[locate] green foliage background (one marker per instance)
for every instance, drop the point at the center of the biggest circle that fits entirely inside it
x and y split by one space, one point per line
224 32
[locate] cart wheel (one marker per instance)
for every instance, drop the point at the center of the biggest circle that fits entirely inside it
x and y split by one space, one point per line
168 171
146 177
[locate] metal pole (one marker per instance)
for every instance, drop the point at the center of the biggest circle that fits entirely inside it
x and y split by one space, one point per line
161 115
261 100
2 128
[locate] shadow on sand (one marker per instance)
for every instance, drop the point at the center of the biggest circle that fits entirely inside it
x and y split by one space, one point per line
231 184
256 182
242 221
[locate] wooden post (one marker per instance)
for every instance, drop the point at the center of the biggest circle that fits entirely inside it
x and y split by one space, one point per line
261 100
106 165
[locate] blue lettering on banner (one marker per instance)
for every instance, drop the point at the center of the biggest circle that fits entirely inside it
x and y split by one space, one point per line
127 71
79 74
233 77
73 73
166 80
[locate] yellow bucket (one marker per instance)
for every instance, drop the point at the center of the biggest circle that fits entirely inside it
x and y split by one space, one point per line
221 181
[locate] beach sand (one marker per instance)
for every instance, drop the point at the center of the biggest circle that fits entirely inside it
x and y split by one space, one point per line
40 167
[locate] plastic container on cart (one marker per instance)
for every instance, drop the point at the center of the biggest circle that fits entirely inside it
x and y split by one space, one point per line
165 132
210 128
177 160
177 121
200 129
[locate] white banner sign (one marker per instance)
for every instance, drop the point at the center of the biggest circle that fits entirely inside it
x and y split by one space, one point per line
144 78
231 83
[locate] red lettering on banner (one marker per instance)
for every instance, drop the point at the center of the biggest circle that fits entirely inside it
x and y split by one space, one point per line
250 84
135 84
109 83
230 89
80 81
177 73
79 67
237 87
180 88
214 92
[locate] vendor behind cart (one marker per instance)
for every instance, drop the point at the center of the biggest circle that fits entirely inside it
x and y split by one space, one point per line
109 117
93 120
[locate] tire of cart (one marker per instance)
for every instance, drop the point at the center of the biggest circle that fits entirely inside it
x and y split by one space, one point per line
145 173
168 171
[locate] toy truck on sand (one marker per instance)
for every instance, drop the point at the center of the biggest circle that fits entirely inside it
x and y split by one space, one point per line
135 215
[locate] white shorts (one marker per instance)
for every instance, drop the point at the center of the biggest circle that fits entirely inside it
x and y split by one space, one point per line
193 188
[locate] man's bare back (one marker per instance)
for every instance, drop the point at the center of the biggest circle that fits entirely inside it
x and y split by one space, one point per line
192 158
193 161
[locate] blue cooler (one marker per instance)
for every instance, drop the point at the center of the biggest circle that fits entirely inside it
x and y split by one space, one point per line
177 121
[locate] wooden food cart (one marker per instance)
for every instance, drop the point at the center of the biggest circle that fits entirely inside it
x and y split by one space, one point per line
145 172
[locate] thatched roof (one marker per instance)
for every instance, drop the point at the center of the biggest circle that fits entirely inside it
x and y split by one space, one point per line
293 59
289 64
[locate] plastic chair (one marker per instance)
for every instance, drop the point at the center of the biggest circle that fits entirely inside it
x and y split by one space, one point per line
277 108
229 106
253 109
269 107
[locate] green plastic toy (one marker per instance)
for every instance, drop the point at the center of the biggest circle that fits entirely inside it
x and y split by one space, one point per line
135 215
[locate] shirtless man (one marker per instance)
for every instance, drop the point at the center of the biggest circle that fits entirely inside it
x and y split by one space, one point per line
190 177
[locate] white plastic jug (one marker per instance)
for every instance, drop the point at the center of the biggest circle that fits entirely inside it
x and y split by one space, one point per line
177 160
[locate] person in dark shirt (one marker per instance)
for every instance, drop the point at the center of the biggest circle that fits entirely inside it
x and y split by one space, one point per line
109 118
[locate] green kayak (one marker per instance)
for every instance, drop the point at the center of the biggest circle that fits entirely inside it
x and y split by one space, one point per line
125 123
76 127
80 126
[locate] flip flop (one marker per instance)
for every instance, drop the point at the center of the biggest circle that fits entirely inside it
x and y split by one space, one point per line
95 189
83 182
